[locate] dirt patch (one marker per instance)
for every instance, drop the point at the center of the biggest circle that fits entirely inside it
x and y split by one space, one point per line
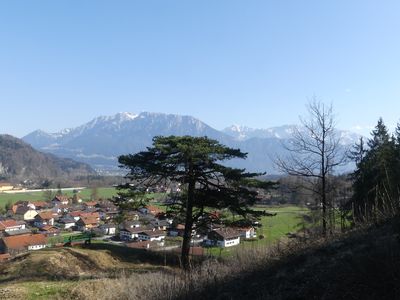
12 292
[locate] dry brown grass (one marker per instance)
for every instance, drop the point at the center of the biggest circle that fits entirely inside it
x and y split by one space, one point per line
362 264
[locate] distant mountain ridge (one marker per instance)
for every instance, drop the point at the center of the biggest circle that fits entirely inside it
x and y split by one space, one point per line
19 161
100 141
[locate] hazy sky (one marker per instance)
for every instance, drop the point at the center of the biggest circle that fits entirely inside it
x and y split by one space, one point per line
253 63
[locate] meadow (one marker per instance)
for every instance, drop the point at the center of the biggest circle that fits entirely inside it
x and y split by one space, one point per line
288 219
84 194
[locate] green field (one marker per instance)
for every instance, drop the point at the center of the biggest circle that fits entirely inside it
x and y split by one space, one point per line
287 219
105 193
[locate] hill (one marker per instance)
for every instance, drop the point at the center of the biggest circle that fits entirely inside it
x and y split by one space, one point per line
361 264
19 161
100 141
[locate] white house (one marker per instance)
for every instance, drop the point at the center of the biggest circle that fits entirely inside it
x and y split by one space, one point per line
44 218
25 213
67 222
11 225
129 234
152 235
21 243
226 237
60 200
108 229
247 232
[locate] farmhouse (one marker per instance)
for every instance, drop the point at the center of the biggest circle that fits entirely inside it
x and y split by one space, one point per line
67 222
108 229
150 209
49 230
22 243
84 214
159 224
130 233
153 235
44 218
11 225
25 213
87 223
60 200
226 237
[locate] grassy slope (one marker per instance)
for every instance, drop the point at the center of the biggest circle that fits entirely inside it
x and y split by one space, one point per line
363 264
52 273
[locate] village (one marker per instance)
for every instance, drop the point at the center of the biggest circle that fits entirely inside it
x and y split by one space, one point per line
64 221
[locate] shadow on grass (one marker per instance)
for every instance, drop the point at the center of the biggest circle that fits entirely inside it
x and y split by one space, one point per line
362 265
141 256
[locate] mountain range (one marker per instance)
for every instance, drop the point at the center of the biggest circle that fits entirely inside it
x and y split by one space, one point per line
100 141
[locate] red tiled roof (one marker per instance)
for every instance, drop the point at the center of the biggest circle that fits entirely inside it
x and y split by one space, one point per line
153 232
90 203
8 223
88 220
23 241
75 213
227 233
40 204
49 228
46 215
90 214
61 198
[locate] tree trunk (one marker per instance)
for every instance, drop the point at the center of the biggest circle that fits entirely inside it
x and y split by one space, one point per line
187 234
323 174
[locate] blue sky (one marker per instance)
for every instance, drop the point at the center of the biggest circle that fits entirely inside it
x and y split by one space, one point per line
254 63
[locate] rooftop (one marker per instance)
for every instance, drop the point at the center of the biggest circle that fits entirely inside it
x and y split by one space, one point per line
23 241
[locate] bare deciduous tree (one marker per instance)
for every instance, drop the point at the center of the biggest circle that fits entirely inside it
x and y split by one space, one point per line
313 153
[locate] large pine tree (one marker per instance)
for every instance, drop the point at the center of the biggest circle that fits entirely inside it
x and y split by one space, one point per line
195 164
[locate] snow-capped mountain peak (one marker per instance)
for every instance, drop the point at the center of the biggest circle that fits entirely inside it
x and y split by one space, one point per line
244 133
100 141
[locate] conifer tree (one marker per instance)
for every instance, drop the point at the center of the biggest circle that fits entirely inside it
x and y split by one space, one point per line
195 165
376 179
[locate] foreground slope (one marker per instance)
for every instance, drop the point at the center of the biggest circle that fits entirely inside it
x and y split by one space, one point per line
362 264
